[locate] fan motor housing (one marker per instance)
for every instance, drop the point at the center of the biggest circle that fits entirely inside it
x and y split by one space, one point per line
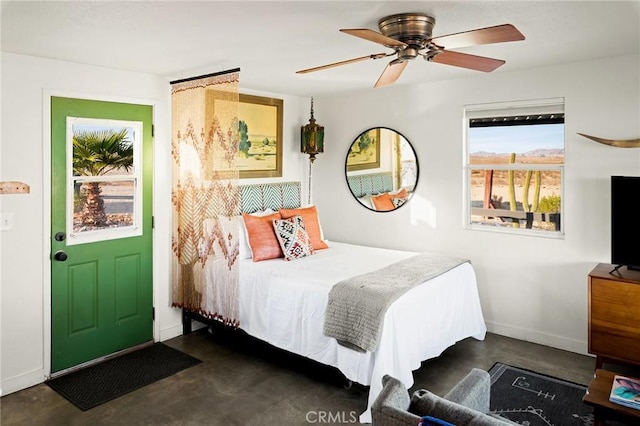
411 28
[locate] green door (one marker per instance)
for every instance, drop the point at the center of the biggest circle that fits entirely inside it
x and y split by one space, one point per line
101 237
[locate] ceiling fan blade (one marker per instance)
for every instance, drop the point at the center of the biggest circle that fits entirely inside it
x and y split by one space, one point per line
348 61
464 60
391 73
375 37
497 34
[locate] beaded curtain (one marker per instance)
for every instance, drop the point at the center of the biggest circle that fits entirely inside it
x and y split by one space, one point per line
205 196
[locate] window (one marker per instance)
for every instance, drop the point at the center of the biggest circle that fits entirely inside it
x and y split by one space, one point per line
514 161
104 172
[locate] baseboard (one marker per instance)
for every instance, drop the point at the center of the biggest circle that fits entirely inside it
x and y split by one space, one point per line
36 377
22 381
558 342
170 332
176 330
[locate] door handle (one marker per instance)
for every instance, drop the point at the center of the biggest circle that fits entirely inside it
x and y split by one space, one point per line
60 256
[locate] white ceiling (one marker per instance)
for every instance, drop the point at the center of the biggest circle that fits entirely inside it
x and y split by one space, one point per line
270 40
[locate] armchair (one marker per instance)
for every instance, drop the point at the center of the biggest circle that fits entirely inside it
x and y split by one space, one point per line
466 404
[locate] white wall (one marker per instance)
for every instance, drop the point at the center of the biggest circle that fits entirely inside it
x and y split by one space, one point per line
531 288
27 83
24 292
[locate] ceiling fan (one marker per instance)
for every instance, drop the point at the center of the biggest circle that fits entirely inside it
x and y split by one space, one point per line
409 35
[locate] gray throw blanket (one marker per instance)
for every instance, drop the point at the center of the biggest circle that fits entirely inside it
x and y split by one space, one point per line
356 307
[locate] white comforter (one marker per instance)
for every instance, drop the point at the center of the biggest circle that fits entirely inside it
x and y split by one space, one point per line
283 303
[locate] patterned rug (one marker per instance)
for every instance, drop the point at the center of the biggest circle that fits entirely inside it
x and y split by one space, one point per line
533 399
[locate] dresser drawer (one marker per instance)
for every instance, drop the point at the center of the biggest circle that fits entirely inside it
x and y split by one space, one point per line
614 319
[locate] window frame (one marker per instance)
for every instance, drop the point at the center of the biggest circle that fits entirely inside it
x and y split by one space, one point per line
506 109
135 175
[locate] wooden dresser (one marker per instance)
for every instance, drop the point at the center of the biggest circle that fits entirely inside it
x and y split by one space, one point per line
614 315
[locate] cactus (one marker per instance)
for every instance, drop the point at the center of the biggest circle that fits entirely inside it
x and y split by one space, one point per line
533 207
513 206
525 191
547 204
536 191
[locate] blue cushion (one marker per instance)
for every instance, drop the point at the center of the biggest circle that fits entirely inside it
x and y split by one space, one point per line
433 421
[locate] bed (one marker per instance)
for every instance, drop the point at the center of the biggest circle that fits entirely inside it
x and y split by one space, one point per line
283 303
377 192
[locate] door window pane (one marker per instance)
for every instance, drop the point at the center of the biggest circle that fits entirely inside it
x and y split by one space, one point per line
103 169
103 205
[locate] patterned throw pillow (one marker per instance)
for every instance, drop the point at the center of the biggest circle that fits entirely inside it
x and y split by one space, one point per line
397 202
293 238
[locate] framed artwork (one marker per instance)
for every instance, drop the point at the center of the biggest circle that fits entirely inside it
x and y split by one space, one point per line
260 136
365 151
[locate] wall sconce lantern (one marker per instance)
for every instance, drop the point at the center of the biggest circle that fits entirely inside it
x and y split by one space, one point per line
312 137
311 143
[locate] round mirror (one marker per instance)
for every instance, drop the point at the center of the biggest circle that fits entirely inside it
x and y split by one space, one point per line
381 169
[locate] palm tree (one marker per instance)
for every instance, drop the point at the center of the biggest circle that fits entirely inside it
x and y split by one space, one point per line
96 153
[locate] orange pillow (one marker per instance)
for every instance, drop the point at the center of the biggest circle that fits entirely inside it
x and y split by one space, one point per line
383 202
402 193
262 237
311 224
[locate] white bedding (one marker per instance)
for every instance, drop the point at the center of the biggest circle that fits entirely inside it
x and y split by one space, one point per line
283 303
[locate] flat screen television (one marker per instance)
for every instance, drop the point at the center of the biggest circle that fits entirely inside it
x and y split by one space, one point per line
625 221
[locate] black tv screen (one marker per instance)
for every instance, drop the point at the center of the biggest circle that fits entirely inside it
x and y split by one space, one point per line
625 221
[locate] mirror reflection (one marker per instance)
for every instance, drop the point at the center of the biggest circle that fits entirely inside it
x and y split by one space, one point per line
381 169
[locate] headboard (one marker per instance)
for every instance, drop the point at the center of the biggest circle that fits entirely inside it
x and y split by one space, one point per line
370 184
274 196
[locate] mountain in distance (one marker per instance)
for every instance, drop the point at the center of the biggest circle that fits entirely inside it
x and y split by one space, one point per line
535 153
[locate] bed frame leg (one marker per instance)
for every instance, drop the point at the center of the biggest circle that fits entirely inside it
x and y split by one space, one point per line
186 322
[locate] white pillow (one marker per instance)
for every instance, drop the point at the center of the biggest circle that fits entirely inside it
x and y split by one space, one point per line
245 248
366 201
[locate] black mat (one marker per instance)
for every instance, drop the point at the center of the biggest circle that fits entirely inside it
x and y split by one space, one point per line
100 383
531 398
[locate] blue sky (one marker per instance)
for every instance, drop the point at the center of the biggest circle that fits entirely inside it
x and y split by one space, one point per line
518 139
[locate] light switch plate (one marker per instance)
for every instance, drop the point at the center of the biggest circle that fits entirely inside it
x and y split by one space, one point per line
6 221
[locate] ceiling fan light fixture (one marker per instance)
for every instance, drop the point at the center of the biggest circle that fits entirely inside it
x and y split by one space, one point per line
410 36
409 53
407 27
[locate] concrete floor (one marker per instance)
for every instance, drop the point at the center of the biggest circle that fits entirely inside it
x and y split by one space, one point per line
246 382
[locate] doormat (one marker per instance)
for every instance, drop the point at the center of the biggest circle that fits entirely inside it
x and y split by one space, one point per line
531 398
103 382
